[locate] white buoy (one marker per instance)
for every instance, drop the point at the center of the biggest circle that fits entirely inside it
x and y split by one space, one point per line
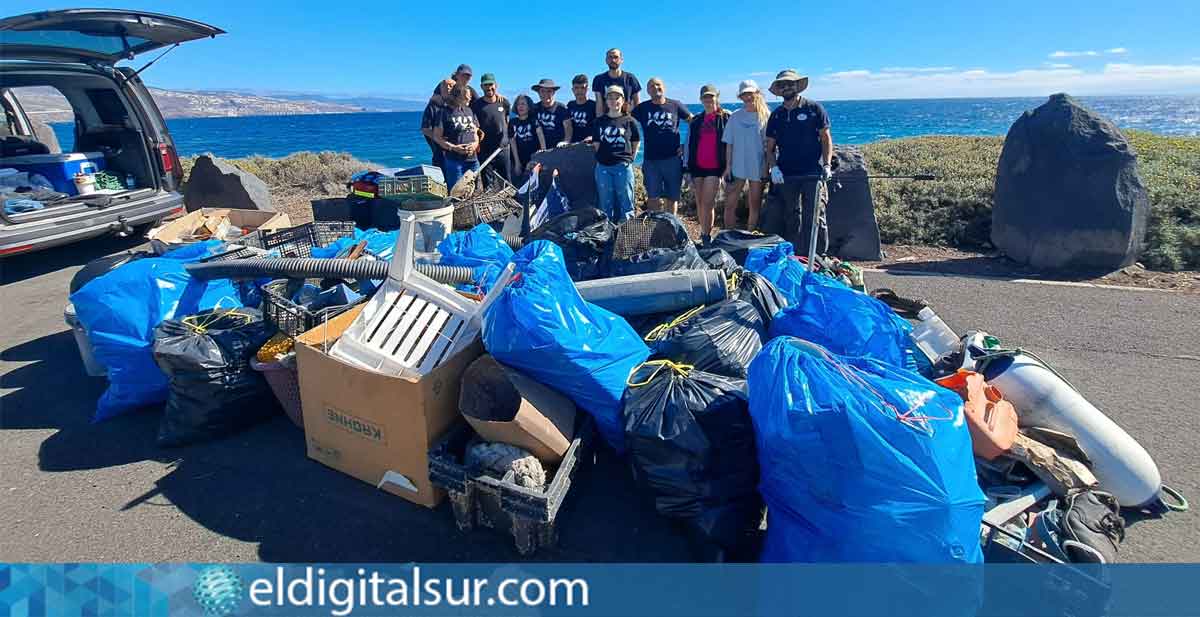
1043 399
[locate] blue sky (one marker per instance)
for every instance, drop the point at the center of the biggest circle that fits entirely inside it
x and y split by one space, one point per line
851 49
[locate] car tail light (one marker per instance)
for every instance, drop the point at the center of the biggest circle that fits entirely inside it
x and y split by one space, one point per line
170 161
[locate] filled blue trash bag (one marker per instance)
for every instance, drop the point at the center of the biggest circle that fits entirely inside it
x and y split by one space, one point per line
481 249
120 310
381 244
844 321
775 264
541 326
861 461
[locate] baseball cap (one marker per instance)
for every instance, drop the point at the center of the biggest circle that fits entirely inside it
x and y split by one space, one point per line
464 68
488 78
747 85
614 88
709 89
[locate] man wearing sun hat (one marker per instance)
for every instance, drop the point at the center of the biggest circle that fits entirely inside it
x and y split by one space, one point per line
798 147
552 119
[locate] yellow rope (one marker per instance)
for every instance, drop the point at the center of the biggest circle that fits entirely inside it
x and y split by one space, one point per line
732 283
662 328
201 326
681 369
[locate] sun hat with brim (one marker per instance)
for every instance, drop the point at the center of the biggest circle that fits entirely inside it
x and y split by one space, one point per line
709 89
747 85
789 75
545 83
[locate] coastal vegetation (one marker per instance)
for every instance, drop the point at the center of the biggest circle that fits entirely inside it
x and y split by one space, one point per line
953 211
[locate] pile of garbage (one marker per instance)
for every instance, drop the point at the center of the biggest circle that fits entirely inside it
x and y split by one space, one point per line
748 389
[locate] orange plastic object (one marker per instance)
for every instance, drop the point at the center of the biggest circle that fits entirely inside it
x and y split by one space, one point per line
991 419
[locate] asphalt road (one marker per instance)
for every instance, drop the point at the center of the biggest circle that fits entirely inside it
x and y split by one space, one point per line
75 491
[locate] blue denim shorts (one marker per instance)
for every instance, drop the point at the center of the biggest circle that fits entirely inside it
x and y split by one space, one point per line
663 178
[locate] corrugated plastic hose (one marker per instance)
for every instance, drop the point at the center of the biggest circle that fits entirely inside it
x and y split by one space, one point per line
362 269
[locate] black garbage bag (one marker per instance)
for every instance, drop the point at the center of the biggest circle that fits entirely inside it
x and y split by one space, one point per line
213 390
99 267
691 445
722 338
754 288
584 235
718 259
738 242
652 242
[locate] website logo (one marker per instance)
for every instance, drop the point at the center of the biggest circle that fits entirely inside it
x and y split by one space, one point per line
218 590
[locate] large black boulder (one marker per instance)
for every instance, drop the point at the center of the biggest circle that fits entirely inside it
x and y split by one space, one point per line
214 183
853 230
1068 195
576 166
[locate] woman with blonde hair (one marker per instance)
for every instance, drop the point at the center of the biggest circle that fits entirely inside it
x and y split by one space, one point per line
744 155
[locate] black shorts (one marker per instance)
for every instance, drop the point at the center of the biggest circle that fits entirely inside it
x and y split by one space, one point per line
705 173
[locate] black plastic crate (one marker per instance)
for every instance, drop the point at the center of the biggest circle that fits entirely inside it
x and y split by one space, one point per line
291 318
299 241
529 515
238 253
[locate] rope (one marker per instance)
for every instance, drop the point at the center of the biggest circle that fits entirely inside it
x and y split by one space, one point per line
201 323
679 369
662 328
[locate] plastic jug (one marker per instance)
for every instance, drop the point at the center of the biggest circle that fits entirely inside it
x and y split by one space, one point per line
933 336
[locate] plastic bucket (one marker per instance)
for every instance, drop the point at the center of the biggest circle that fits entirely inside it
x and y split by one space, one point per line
433 225
284 382
91 365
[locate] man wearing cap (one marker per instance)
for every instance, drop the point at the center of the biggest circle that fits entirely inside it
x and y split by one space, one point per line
629 84
492 111
799 149
553 121
662 167
432 117
462 76
582 110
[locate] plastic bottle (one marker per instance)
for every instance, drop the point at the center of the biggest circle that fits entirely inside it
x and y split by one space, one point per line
933 336
130 182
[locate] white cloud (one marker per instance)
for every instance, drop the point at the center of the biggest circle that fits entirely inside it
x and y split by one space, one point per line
1073 54
1116 50
1056 65
917 69
1113 78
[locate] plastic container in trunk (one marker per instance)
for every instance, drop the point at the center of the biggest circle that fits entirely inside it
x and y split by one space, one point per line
529 515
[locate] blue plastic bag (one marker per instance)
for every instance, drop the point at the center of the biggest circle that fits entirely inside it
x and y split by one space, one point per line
120 310
381 244
844 321
861 461
481 249
541 326
775 264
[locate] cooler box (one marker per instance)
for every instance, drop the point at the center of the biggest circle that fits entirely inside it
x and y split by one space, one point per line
59 169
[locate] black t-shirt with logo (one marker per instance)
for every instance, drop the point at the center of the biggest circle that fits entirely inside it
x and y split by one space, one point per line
551 120
797 134
661 123
458 127
583 115
616 137
493 119
432 117
522 133
628 82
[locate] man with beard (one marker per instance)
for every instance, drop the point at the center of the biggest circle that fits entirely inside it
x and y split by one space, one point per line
614 76
799 147
492 111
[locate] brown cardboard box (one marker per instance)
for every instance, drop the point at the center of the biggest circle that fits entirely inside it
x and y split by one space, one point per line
375 427
544 423
177 232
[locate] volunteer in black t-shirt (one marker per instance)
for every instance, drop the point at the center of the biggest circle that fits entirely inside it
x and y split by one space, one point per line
458 135
662 167
491 110
553 121
799 147
615 76
582 110
461 76
615 139
522 137
432 117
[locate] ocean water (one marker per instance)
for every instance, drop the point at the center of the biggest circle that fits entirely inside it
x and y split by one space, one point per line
394 139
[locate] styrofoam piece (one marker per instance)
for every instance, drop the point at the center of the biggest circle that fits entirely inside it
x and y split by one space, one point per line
413 323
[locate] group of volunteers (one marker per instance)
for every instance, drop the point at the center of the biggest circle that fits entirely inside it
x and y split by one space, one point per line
790 147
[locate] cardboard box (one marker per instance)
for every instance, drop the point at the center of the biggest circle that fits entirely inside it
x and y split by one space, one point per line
178 232
544 422
375 427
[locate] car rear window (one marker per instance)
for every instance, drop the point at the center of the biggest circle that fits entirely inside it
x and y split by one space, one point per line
107 44
108 106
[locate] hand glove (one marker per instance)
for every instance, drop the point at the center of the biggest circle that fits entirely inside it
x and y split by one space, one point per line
826 173
776 175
